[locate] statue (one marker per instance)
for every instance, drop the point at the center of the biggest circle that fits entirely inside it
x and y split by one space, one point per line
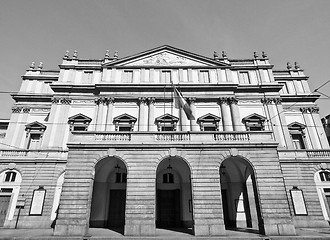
66 56
288 65
264 55
40 65
33 65
115 55
107 54
296 65
224 54
215 55
75 54
255 54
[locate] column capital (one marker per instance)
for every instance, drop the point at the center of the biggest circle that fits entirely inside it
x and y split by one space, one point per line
26 110
191 100
304 109
232 100
223 100
142 100
151 100
314 109
65 101
16 109
266 101
277 101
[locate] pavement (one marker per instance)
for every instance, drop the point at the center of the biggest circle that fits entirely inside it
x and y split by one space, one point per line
161 234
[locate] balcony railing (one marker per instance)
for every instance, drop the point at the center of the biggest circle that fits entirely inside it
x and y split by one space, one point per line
304 153
34 153
168 137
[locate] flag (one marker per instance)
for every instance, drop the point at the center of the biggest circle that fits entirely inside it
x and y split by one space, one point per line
179 102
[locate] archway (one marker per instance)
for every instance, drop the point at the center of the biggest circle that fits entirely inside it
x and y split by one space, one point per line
173 195
109 195
241 206
322 182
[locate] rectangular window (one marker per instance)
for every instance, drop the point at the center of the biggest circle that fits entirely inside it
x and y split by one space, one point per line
165 77
128 77
6 190
244 78
87 77
124 128
79 128
298 141
121 177
35 140
204 76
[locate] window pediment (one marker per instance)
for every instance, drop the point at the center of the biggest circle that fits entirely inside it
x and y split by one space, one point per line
81 118
35 126
124 118
254 122
208 118
167 118
166 122
296 126
254 117
124 122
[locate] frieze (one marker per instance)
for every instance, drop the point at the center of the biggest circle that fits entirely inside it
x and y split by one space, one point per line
142 100
104 100
86 101
151 100
267 101
309 109
58 100
166 59
228 100
42 110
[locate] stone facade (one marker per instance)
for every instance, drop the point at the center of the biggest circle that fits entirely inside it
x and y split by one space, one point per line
100 143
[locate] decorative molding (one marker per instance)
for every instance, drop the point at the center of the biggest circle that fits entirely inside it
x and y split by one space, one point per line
191 100
151 100
16 109
63 100
104 100
86 101
142 100
166 59
309 109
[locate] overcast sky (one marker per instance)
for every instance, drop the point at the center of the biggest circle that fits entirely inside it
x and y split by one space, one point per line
42 30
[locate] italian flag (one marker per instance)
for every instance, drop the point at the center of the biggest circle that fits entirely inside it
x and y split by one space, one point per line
179 102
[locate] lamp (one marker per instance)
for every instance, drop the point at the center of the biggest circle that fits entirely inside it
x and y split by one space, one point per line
169 167
117 167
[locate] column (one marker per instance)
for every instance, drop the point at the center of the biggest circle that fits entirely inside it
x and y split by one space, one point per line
236 120
309 136
321 138
109 124
142 102
193 124
99 122
151 114
286 139
225 113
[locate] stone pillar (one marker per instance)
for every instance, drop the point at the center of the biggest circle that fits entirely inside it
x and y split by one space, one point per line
100 121
287 142
207 208
225 113
319 127
193 124
311 140
109 123
143 118
236 119
151 114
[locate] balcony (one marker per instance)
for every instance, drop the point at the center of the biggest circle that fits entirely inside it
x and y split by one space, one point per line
34 154
232 138
304 154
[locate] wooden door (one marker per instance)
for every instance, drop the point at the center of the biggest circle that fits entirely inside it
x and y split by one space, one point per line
117 208
168 208
4 204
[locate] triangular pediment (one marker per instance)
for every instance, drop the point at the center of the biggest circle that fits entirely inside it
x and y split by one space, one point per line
35 126
167 118
209 117
254 117
166 56
124 118
79 118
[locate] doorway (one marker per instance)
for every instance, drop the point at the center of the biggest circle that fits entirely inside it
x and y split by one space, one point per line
174 196
109 195
240 201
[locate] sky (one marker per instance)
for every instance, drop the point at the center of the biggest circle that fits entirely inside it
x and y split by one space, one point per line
42 30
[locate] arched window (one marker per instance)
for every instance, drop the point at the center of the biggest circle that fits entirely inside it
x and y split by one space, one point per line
168 178
322 182
57 196
10 182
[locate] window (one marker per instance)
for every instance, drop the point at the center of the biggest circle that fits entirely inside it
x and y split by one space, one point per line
10 176
297 135
254 122
124 122
284 89
244 78
34 133
168 178
204 76
209 122
324 176
166 123
121 177
6 190
79 122
128 77
87 77
35 141
165 77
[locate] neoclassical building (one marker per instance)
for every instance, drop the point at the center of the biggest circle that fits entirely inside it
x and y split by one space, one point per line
100 144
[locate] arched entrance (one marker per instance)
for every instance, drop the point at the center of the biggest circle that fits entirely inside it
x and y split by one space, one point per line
109 195
173 195
241 206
